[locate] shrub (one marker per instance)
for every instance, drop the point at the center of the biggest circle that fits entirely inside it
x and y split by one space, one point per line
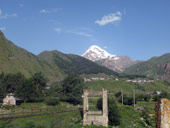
147 98
52 101
127 100
145 115
7 107
156 97
118 95
142 97
162 95
113 111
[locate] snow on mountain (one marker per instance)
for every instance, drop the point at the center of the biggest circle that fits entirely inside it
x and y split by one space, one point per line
102 57
95 53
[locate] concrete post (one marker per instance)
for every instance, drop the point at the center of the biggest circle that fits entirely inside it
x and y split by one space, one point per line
85 104
105 108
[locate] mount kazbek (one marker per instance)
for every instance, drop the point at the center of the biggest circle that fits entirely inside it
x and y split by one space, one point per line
113 62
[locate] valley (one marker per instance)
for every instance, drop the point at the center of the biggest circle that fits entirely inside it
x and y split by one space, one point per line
50 86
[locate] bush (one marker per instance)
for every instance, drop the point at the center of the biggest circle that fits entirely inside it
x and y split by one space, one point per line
156 97
127 100
147 98
7 107
165 95
113 111
118 95
52 101
146 117
162 95
142 97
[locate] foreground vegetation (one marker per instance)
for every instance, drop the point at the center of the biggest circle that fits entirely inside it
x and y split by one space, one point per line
130 118
66 95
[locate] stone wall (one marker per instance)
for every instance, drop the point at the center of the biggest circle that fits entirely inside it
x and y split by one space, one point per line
162 113
95 117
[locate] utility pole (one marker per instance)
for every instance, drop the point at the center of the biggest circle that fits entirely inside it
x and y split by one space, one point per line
134 97
122 96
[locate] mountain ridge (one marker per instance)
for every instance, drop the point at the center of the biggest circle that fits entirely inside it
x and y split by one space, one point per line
102 57
156 67
14 59
71 63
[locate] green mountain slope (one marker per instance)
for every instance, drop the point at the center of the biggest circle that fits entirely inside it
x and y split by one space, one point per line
156 67
14 59
73 63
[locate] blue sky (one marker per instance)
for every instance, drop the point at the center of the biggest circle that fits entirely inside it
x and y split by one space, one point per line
139 29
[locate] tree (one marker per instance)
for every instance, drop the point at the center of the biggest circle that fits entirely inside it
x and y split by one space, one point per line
39 81
113 111
72 89
32 89
9 83
27 91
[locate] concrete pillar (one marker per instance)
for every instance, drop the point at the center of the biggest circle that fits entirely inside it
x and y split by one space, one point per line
85 105
105 108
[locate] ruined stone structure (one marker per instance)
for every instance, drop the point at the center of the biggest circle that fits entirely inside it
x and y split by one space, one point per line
95 117
162 113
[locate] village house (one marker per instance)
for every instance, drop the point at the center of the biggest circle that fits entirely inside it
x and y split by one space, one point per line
9 99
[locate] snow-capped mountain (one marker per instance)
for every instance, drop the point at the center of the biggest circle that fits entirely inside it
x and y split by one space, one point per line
95 53
102 57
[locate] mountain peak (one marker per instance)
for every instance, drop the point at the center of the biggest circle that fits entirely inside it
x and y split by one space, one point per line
95 53
102 57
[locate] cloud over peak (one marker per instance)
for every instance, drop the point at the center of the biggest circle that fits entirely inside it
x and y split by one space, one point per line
110 18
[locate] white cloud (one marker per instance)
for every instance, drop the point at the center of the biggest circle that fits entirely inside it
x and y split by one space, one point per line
77 31
52 10
2 28
6 15
111 18
58 30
